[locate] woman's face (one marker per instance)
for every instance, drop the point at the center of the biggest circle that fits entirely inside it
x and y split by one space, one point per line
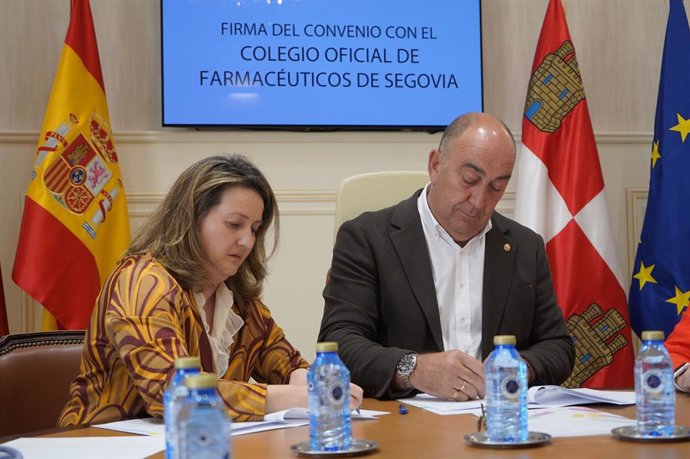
228 231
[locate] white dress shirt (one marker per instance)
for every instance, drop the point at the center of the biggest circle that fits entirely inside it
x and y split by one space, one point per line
226 323
459 280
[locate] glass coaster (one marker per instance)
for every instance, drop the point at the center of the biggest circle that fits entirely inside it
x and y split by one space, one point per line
357 448
680 433
482 439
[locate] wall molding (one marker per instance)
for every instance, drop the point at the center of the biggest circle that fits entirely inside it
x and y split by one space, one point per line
636 205
178 135
290 202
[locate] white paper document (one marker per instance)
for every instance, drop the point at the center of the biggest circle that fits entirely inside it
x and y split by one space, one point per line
155 427
561 396
303 413
575 421
442 406
294 417
145 426
88 447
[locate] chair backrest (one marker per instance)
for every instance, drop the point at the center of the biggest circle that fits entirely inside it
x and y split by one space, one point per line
374 191
36 370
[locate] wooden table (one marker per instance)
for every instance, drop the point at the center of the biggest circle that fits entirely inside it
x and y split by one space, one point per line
420 434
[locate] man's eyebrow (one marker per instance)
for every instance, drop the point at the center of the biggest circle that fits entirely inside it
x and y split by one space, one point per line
474 167
481 171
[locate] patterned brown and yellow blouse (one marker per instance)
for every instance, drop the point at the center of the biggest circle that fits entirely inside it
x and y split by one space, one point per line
142 322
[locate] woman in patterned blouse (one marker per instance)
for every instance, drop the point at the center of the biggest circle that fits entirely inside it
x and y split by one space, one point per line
190 285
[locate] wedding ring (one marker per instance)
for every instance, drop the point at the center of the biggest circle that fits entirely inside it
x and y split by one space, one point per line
455 395
463 386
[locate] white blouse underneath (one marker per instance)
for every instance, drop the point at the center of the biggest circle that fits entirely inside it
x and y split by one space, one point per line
226 324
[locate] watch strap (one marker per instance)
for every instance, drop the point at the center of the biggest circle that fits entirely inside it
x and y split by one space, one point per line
405 367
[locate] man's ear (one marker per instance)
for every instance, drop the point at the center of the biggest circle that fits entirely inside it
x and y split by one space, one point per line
433 164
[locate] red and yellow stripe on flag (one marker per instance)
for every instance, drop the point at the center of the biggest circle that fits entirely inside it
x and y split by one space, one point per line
560 194
75 224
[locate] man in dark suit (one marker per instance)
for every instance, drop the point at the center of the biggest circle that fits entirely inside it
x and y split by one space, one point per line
417 291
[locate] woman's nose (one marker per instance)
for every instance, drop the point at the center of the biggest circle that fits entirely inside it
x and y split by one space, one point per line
246 238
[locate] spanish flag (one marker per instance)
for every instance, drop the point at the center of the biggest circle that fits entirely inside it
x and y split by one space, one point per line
75 224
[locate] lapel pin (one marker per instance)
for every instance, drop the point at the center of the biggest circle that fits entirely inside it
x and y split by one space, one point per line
506 247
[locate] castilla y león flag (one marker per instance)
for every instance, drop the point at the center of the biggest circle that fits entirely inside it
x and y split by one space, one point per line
75 224
560 194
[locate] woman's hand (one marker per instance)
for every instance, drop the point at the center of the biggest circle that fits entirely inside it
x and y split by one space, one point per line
299 378
281 397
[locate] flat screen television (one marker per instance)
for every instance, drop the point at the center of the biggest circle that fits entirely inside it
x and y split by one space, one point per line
320 64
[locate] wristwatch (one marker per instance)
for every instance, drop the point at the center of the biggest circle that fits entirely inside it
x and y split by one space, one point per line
406 366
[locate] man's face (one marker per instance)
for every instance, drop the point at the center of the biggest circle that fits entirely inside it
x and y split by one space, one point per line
468 179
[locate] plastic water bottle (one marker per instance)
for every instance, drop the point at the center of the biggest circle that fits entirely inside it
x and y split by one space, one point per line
172 399
654 391
506 392
330 422
204 427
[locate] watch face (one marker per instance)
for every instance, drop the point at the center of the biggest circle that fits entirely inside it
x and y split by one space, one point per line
407 363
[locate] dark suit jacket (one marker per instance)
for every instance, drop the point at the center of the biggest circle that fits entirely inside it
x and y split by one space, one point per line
380 299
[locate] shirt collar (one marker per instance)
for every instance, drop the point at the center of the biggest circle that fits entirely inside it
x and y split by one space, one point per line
433 227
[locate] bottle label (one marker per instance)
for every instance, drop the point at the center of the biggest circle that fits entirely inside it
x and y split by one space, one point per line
510 387
651 382
333 392
336 395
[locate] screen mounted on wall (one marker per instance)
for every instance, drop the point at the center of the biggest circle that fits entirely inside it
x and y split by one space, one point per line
320 64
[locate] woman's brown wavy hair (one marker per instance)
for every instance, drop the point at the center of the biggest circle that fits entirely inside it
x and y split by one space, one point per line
172 233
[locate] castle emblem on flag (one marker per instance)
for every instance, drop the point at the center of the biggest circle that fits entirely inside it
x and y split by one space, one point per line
554 89
596 342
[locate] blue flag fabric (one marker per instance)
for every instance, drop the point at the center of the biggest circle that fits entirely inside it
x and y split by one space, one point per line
660 286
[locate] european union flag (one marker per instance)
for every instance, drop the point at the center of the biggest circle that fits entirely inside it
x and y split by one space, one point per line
660 287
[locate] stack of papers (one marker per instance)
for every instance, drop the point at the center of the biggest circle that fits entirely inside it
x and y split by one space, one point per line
562 396
537 397
551 410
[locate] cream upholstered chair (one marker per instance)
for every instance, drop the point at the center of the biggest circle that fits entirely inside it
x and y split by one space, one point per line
374 191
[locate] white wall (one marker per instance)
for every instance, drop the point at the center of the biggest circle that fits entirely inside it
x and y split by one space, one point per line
618 43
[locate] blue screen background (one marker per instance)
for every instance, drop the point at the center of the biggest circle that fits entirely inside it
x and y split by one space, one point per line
199 53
